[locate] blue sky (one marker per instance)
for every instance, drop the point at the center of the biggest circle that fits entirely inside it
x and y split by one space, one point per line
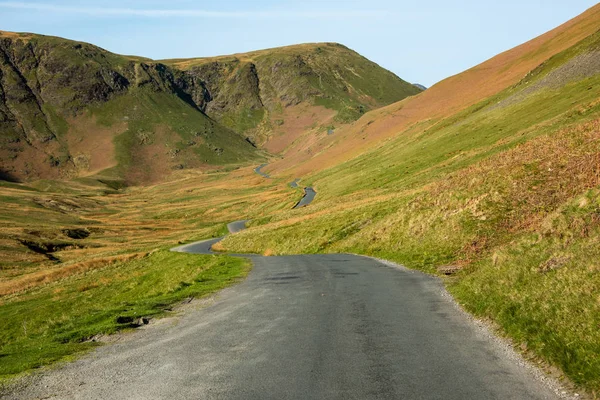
421 41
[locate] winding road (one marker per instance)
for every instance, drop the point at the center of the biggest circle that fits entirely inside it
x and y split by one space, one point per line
258 170
333 326
309 192
309 196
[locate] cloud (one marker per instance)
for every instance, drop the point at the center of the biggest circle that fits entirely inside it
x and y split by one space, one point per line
198 13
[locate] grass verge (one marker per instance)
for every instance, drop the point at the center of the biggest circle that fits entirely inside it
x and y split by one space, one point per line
56 321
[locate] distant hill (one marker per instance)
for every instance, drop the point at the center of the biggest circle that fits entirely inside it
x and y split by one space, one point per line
419 86
71 109
262 93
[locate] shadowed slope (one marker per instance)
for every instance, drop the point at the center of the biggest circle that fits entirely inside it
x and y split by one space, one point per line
263 93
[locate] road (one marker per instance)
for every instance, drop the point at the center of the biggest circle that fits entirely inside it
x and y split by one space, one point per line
305 327
309 193
309 196
258 170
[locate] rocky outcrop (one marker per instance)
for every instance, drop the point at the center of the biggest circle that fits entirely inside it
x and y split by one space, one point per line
49 73
46 82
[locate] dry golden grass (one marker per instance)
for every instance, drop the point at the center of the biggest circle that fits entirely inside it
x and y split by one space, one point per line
443 99
533 177
191 205
46 276
15 35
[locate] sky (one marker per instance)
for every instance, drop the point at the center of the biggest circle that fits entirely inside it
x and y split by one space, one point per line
421 41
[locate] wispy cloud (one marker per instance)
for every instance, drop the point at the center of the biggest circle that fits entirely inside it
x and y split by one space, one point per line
165 13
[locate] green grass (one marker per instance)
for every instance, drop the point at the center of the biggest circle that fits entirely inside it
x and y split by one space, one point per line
508 189
53 322
542 288
194 140
243 120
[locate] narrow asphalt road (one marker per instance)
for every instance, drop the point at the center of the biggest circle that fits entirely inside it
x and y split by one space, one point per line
309 196
305 327
263 174
309 193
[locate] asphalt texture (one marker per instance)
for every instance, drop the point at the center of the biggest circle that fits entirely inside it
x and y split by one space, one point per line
236 226
309 196
309 193
304 327
263 174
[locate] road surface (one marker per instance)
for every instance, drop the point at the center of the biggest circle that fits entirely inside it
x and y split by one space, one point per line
309 193
309 196
305 327
263 174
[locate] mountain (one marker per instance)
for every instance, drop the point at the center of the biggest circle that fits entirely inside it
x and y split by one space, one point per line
493 173
419 86
442 100
70 109
263 93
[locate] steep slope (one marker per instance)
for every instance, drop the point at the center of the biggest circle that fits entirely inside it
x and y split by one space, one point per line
261 93
438 102
71 109
64 103
506 190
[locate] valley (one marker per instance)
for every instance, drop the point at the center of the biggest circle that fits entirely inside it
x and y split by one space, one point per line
493 174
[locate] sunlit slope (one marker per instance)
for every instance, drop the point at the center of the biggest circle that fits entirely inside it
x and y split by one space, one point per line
70 109
412 115
507 190
277 94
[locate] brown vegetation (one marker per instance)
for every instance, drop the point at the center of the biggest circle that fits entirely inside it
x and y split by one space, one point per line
441 100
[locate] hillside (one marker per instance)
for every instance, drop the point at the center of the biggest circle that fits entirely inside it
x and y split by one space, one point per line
263 93
500 181
438 102
71 109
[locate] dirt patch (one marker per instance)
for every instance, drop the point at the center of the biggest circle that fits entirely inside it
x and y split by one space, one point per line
26 162
578 68
76 233
295 121
91 145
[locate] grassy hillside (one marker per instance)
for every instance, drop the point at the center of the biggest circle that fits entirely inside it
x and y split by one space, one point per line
506 189
71 109
81 260
437 103
254 92
55 95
